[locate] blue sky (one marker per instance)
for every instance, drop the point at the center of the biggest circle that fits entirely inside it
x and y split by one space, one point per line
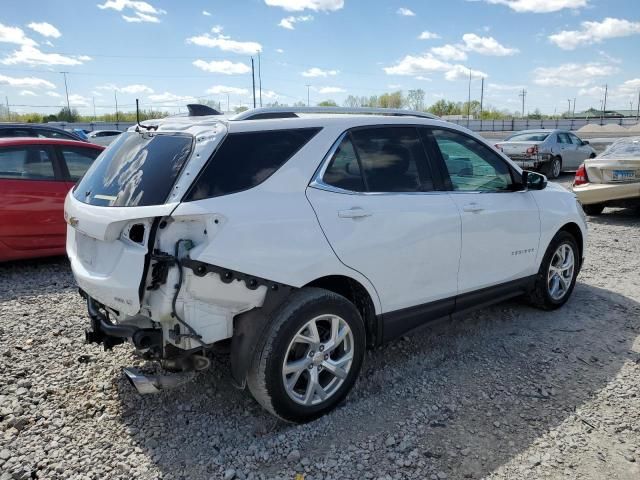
168 52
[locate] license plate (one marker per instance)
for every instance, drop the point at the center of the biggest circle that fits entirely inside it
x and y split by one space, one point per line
621 175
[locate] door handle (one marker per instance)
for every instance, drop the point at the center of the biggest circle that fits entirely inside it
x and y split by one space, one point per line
473 208
354 212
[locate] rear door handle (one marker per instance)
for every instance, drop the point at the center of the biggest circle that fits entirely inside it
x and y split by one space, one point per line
354 212
473 208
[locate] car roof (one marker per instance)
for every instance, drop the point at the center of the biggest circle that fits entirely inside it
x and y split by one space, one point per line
28 125
16 141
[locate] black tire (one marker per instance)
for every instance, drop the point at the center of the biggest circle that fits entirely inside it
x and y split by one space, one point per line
553 168
593 209
265 377
540 296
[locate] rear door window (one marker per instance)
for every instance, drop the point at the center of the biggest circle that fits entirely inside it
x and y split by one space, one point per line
78 160
564 138
50 133
247 159
27 163
138 169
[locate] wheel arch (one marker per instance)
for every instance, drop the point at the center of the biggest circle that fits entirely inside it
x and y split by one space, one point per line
356 293
575 231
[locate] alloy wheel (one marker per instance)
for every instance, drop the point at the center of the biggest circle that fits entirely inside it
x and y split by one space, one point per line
318 360
560 274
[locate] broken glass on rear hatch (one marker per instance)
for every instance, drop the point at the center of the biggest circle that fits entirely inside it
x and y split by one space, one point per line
138 169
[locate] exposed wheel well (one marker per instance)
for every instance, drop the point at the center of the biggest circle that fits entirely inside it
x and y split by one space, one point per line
355 292
574 230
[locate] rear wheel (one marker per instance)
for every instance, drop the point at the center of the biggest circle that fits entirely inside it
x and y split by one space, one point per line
553 168
558 272
310 356
593 209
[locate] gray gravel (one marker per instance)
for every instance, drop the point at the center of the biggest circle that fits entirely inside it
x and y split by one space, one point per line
506 392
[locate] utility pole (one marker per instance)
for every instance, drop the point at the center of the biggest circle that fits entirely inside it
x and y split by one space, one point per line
469 100
93 100
604 106
64 74
638 111
569 111
8 111
260 78
115 95
308 97
574 108
253 78
228 108
481 96
523 94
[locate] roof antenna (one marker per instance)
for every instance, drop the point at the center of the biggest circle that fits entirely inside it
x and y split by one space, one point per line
139 126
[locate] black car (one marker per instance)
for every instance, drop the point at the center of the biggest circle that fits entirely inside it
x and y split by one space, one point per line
35 130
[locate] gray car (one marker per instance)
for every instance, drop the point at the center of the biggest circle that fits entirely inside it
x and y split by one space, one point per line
548 151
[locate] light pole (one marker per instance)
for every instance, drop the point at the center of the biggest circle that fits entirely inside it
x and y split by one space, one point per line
66 89
308 97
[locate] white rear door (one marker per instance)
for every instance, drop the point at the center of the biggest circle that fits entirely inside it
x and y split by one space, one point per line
377 204
500 226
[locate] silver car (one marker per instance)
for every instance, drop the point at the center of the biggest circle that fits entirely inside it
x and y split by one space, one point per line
548 151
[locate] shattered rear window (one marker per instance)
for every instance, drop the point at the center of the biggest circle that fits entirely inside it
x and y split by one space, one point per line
624 148
137 169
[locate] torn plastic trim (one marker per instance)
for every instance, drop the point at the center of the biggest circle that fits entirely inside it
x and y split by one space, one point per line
252 282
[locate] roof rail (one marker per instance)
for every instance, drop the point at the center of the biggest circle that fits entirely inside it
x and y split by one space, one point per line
288 112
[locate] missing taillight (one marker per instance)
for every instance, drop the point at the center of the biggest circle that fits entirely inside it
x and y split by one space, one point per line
136 233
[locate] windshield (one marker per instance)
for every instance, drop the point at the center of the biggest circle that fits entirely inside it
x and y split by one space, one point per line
528 137
137 169
623 148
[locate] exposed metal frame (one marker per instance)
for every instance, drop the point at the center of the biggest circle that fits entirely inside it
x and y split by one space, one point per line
394 112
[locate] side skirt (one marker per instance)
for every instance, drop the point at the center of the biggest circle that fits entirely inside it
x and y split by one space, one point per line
402 321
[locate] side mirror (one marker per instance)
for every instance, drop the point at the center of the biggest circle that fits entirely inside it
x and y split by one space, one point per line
585 142
533 180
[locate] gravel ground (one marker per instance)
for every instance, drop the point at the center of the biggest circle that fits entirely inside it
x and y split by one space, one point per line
506 392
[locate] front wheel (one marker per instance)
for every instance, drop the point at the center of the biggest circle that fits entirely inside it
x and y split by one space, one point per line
310 356
557 274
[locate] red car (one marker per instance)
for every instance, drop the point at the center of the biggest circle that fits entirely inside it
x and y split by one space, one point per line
35 176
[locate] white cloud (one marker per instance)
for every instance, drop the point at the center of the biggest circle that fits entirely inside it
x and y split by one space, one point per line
504 87
405 12
169 97
318 72
205 13
53 94
222 90
486 45
222 66
27 93
31 55
572 74
14 35
630 87
279 50
269 94
78 101
225 43
427 35
216 29
26 82
449 52
540 6
300 5
424 64
595 32
288 22
328 90
130 89
595 92
45 29
142 11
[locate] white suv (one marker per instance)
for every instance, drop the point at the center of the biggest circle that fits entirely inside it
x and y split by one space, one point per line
299 237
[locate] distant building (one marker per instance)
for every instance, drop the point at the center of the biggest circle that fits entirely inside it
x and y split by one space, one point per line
593 112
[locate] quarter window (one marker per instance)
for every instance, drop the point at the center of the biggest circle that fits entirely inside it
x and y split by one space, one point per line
30 163
471 165
344 170
564 138
245 160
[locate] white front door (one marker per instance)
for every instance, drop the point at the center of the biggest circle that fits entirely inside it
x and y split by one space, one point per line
500 226
377 206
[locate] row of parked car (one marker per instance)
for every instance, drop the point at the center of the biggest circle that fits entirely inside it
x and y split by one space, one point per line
99 137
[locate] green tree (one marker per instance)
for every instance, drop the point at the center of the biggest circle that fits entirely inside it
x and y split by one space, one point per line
415 99
68 115
327 103
240 109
